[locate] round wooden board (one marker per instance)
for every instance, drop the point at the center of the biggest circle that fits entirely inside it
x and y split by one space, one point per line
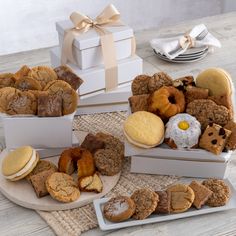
22 193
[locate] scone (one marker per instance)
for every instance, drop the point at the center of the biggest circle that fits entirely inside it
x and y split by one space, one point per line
144 129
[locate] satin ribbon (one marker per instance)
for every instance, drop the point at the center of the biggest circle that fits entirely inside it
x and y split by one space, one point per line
187 41
108 17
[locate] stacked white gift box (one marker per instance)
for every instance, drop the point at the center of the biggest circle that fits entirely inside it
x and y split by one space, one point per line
88 64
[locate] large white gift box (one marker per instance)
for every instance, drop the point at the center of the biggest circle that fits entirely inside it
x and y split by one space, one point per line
87 49
94 78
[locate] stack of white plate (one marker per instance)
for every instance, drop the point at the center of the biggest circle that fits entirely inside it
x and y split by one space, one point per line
191 55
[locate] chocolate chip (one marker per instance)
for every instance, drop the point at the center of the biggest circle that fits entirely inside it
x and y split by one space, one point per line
224 137
214 141
221 131
211 133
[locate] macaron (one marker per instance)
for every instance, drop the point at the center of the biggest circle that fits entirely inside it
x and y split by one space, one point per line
19 163
144 129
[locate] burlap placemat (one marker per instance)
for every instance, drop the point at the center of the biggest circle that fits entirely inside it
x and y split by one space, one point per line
76 221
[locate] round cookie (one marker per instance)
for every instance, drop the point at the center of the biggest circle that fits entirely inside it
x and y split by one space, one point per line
146 202
119 208
221 192
69 95
144 129
108 162
22 103
181 197
158 80
28 83
6 95
62 187
43 74
7 80
140 85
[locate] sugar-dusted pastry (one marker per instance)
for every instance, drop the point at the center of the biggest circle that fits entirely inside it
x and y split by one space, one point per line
202 194
159 80
43 74
19 163
68 94
144 129
163 206
49 105
214 138
28 83
7 80
207 111
194 93
22 72
166 102
181 198
140 85
139 102
221 192
92 183
182 131
145 201
62 187
231 142
119 208
65 73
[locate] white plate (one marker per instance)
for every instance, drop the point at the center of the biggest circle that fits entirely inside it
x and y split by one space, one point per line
154 218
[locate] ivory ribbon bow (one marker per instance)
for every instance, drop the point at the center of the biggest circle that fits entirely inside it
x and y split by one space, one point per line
108 17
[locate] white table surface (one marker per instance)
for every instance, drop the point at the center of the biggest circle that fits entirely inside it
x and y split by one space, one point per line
15 220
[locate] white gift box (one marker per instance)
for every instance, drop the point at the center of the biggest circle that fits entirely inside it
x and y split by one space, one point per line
94 78
38 132
166 161
87 46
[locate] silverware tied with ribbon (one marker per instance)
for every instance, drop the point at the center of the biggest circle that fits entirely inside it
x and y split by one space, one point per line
109 17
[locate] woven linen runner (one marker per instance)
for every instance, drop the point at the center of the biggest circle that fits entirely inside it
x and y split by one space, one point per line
76 221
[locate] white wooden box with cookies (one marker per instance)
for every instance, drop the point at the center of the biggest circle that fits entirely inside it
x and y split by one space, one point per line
181 127
87 48
94 78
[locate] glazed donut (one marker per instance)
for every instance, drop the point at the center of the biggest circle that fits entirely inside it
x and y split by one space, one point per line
166 102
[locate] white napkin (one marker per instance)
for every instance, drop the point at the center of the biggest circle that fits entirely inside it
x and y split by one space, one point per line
171 47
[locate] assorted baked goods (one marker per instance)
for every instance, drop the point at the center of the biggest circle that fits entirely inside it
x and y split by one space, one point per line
41 91
175 199
188 107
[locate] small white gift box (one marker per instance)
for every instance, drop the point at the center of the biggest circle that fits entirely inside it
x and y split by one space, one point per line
87 46
94 78
38 132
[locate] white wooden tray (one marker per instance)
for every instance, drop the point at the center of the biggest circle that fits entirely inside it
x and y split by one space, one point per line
22 193
154 218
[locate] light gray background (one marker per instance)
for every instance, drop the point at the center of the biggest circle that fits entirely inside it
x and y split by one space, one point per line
30 24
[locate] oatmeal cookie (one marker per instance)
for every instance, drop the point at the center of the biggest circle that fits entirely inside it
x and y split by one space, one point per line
140 85
62 187
146 202
181 198
7 80
221 192
158 80
207 111
119 208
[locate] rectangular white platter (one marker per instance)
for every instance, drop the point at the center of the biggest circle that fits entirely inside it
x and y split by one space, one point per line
154 218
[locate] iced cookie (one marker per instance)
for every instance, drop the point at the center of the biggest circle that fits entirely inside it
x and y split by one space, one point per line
7 80
68 94
43 74
66 74
163 205
231 142
22 72
28 83
207 111
202 194
139 102
119 208
62 187
158 80
146 202
140 85
214 138
181 198
221 192
6 95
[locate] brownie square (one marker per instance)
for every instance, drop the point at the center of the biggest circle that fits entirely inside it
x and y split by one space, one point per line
139 102
49 105
193 93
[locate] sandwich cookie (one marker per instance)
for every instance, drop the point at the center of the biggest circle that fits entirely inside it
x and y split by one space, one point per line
144 129
19 163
